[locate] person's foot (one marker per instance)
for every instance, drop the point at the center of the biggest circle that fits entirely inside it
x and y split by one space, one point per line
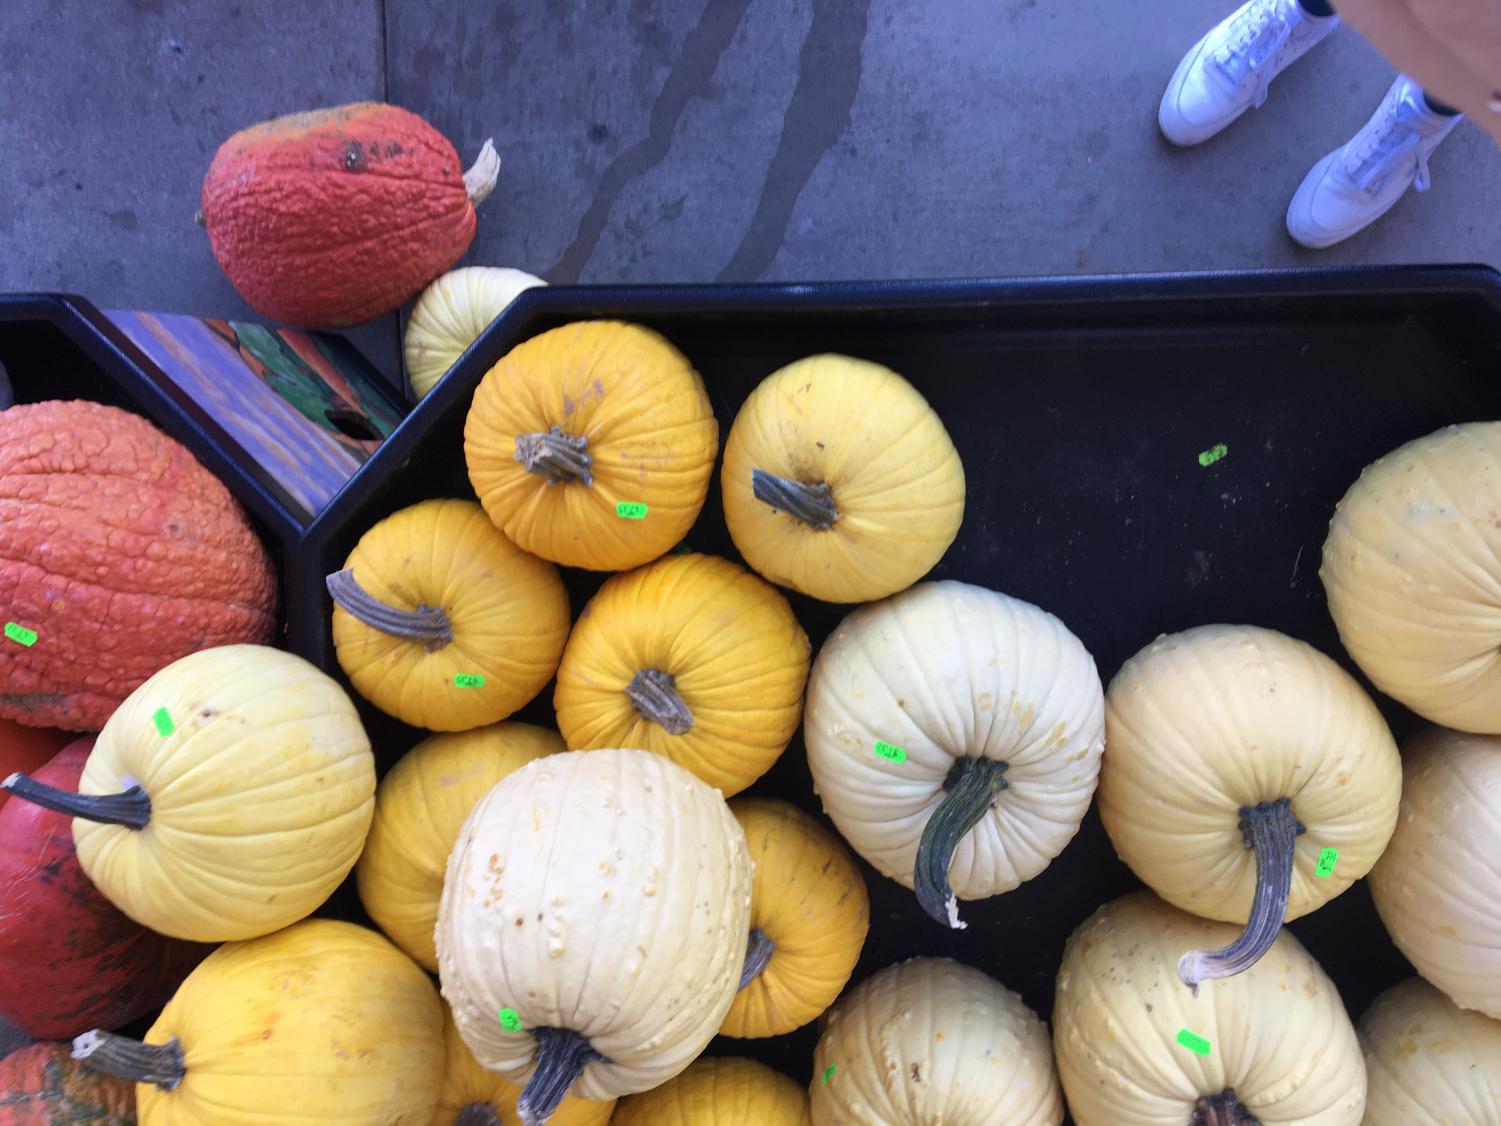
1228 71
1355 185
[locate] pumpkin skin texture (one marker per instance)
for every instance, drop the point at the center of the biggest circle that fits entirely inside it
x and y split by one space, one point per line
605 899
893 477
122 553
505 611
419 809
959 678
451 314
719 1091
733 652
70 960
338 216
1205 724
642 411
42 1085
1438 885
930 1040
27 748
809 899
1279 1037
1412 568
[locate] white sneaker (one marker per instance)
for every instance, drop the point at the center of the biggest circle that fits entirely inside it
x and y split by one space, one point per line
1228 71
1355 185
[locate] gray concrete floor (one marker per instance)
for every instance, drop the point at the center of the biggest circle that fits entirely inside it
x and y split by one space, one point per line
695 140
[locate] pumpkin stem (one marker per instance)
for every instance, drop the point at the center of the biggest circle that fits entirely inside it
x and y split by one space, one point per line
428 625
555 454
159 1064
812 504
562 1055
757 953
1223 1109
1271 829
479 1114
131 808
972 787
655 695
481 176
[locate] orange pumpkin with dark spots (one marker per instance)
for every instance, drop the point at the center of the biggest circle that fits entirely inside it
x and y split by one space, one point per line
42 1085
119 553
338 216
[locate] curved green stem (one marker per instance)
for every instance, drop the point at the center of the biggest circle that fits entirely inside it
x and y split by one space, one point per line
426 625
812 504
1223 1109
654 694
562 1055
131 808
758 952
479 1114
972 787
158 1064
555 454
1271 829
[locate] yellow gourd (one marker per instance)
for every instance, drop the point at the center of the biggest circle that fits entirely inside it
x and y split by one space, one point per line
1237 760
592 445
809 917
451 314
227 797
322 1022
718 1091
840 480
692 657
442 622
420 807
1272 1045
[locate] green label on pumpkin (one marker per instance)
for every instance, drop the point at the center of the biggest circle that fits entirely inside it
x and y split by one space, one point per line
20 634
163 720
1326 863
631 510
1193 1042
510 1020
828 1073
890 751
1213 454
468 680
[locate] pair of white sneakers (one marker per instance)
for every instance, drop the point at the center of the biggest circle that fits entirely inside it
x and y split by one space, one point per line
1228 71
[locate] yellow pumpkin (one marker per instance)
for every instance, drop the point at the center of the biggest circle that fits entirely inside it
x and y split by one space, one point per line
442 622
809 917
451 314
692 657
932 1041
472 1096
1272 1045
1428 1061
592 445
840 480
718 1091
1412 568
322 1022
227 797
1438 885
1246 778
420 807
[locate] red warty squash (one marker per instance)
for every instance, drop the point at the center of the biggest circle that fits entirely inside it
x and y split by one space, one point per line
119 553
337 216
69 961
26 748
44 1086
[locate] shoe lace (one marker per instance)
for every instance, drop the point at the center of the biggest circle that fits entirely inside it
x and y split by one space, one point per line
1255 40
1371 164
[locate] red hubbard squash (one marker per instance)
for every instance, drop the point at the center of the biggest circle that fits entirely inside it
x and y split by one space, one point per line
24 749
69 961
337 216
119 553
43 1085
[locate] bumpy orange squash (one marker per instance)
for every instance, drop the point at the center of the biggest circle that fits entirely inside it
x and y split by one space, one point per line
44 1086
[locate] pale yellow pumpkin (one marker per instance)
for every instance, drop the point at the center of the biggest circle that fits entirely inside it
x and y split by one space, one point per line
1412 567
450 315
929 1041
840 480
692 657
420 807
719 1091
1438 885
1236 759
809 917
227 797
1135 1045
442 622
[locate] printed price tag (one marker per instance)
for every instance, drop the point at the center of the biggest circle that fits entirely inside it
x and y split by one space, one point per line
20 634
828 1073
1194 1043
890 751
1213 454
510 1020
631 510
163 720
469 680
1326 863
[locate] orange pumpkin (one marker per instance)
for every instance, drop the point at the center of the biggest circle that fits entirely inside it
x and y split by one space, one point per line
44 1086
337 216
26 749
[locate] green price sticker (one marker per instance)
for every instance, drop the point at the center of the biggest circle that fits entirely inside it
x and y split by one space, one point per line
469 680
20 634
828 1073
163 720
631 510
1194 1043
1213 454
510 1020
890 751
1326 863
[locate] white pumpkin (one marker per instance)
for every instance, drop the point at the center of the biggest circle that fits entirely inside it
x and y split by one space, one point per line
451 313
1438 885
1272 1045
954 735
1412 568
593 925
932 1041
1429 1062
